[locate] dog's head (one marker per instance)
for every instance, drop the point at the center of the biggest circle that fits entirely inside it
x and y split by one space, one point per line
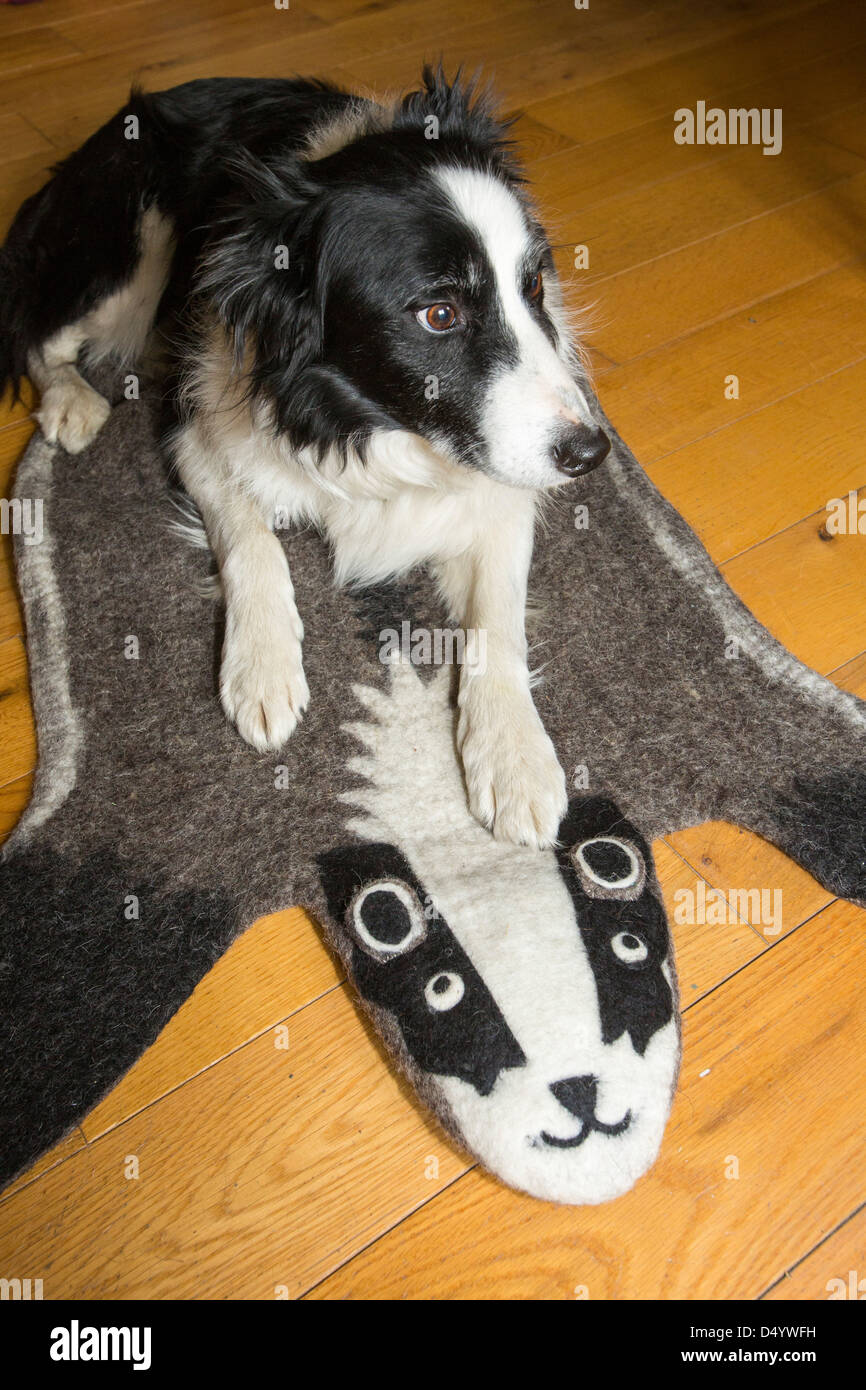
392 276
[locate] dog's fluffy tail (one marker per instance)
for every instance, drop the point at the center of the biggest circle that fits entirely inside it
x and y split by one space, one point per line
15 289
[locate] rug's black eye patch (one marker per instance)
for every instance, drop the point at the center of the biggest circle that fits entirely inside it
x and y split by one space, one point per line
609 866
404 957
604 862
385 919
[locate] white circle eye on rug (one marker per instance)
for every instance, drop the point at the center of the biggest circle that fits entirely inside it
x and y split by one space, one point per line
387 918
629 948
608 862
444 991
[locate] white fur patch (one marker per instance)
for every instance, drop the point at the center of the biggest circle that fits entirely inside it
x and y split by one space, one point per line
528 404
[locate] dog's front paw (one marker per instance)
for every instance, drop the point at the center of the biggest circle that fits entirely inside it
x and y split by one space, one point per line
515 783
71 413
263 688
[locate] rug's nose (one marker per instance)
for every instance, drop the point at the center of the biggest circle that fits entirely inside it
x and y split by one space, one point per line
577 1094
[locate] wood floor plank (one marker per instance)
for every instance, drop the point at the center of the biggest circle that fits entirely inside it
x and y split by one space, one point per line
807 588
608 166
181 29
734 860
799 64
628 229
835 1270
14 796
24 53
705 955
11 414
770 1062
17 732
21 19
676 394
18 139
13 440
676 292
726 484
616 38
85 93
277 967
73 1143
839 129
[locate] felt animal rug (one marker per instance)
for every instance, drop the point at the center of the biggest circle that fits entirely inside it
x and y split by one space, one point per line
529 996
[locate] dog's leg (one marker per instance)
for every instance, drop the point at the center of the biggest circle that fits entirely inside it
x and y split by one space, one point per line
71 412
515 784
262 684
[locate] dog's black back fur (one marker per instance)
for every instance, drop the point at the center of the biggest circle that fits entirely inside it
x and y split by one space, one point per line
74 241
199 153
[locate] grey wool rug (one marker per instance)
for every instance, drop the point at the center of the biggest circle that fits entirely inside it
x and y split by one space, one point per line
529 996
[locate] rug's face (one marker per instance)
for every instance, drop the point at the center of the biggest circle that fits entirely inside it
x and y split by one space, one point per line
534 990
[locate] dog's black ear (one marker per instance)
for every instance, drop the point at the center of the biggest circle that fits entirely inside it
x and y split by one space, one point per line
261 273
463 107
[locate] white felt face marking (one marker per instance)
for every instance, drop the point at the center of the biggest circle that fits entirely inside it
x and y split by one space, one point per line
444 991
581 1118
530 403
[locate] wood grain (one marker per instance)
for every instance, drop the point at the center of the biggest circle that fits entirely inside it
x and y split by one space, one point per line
835 1269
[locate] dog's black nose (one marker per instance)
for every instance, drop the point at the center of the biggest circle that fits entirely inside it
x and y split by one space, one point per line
580 451
577 1094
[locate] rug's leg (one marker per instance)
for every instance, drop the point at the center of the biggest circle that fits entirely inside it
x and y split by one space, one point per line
819 819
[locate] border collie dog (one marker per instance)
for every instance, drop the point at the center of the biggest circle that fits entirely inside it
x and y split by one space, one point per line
365 333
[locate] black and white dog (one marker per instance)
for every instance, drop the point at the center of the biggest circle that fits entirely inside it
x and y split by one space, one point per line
367 334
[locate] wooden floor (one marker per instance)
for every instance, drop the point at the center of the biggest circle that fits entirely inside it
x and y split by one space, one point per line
311 1172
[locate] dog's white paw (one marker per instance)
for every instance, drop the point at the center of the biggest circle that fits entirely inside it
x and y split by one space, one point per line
71 413
515 783
263 688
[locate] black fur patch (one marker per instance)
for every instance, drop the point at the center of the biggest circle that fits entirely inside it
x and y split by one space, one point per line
633 995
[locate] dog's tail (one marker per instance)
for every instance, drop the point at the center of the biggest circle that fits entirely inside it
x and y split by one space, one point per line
17 290
76 240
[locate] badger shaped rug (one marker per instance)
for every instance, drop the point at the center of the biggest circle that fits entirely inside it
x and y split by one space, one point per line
529 996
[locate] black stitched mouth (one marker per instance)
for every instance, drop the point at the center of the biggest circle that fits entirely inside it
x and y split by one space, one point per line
590 1126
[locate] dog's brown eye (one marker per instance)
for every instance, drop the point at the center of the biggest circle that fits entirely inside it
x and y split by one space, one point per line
437 318
535 286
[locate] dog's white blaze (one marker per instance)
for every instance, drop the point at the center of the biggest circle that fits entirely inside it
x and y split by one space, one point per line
529 403
513 916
